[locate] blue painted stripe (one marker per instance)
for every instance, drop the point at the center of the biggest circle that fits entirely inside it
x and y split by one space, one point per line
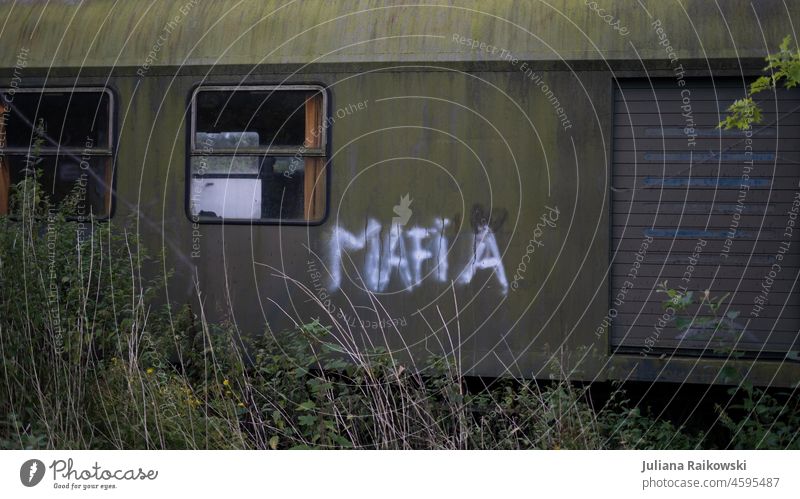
705 182
668 132
707 156
693 233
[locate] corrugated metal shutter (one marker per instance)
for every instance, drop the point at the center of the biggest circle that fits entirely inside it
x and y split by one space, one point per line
714 212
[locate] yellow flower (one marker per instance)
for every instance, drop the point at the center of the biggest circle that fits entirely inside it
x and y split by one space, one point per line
241 404
226 383
150 370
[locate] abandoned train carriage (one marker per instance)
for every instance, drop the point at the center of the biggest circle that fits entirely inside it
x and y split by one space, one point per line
506 182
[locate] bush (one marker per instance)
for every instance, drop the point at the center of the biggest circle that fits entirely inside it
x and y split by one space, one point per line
90 362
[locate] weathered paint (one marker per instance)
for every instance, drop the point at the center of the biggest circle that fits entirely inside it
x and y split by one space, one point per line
690 233
709 156
705 182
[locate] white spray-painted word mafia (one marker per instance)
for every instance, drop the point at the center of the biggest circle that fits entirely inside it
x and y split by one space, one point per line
413 254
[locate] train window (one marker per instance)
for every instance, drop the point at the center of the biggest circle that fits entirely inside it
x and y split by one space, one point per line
257 154
63 135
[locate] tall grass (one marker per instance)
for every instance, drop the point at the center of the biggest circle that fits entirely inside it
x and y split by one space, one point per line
89 362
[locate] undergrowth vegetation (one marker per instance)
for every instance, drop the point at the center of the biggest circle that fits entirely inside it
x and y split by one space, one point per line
89 361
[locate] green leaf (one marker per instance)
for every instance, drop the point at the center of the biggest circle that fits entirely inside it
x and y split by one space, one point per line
307 406
761 84
307 420
784 46
793 75
742 114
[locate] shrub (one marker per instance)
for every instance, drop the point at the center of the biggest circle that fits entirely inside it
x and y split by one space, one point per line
90 362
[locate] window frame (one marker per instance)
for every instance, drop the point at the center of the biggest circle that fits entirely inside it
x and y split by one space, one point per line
321 152
109 151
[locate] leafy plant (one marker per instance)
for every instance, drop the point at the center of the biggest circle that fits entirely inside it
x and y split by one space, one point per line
89 361
700 317
784 67
761 420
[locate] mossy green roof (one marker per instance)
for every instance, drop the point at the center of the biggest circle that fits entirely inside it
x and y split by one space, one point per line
104 33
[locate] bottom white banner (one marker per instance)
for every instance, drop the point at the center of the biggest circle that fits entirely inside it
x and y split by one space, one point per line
389 474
